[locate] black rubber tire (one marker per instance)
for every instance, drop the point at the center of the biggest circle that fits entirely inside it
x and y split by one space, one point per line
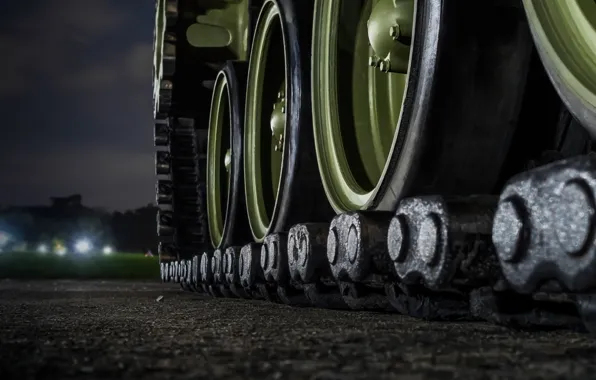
301 195
236 231
468 72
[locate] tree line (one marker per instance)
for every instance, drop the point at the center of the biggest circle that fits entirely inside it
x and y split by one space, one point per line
66 218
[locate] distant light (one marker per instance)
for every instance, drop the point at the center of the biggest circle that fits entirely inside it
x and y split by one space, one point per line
4 238
42 248
107 250
83 246
61 251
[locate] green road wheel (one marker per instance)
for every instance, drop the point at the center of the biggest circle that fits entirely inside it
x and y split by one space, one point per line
356 105
218 159
225 204
565 35
404 96
266 90
279 166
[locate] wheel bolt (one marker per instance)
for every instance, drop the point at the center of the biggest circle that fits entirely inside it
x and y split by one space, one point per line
395 32
228 160
385 66
373 61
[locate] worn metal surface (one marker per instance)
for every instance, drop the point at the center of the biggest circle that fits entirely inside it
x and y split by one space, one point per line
357 248
274 262
433 259
231 268
252 276
357 253
445 243
309 266
544 226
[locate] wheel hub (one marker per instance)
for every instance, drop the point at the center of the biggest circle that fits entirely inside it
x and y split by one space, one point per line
278 120
390 33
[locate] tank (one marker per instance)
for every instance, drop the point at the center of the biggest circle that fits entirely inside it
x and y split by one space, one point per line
431 158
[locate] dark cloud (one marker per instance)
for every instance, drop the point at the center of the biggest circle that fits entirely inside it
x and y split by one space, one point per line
50 40
75 101
128 68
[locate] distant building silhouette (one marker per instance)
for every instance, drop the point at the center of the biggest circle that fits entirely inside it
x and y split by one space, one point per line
72 201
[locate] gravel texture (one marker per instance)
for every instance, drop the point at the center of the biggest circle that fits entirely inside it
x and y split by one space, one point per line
93 330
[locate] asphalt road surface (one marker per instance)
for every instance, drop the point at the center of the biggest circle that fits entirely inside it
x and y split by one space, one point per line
111 330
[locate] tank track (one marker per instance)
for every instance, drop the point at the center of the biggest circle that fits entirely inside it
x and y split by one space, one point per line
524 259
180 188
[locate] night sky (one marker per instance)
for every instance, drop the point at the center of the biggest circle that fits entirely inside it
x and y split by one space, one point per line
75 102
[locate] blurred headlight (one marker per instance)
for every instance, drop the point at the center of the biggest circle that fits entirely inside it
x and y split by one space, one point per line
83 246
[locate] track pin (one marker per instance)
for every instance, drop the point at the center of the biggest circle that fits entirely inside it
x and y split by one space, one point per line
206 275
252 276
231 259
357 254
442 251
219 277
309 267
274 262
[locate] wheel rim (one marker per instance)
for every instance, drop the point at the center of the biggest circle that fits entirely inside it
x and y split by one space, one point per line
265 120
158 39
353 149
565 32
218 159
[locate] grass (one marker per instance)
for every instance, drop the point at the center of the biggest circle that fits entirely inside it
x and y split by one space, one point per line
28 265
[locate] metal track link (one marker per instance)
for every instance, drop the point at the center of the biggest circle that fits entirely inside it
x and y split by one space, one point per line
181 219
544 231
163 128
526 259
349 264
180 188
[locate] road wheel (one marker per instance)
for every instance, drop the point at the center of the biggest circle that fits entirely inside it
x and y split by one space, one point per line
356 106
565 36
228 224
404 95
281 181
